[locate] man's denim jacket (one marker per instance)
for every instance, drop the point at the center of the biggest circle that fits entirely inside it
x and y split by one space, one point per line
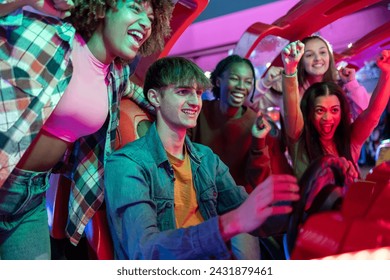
139 193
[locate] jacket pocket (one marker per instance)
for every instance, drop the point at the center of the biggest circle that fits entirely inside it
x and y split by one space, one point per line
208 198
165 214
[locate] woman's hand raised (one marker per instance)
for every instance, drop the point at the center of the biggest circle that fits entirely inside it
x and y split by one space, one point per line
291 55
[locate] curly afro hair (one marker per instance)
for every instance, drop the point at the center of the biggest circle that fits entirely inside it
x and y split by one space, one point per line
87 15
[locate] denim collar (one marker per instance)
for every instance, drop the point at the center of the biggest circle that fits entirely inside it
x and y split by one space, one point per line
153 141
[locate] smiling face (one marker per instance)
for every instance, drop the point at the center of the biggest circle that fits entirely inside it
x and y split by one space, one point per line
316 58
126 28
179 106
326 115
235 84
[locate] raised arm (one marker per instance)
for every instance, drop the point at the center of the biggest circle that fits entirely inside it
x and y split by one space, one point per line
57 8
291 102
369 118
357 94
264 97
258 166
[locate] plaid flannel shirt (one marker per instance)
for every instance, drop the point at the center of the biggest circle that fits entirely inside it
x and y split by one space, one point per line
35 70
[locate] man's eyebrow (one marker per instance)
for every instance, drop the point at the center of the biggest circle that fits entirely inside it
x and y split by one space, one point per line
184 87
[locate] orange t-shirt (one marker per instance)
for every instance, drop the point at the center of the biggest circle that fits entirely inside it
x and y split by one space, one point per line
186 205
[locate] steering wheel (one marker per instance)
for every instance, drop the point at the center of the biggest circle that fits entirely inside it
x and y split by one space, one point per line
321 189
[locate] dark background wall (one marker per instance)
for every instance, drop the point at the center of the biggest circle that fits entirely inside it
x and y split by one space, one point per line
218 8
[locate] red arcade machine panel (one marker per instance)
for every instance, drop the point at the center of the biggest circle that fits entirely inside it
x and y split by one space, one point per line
184 13
262 42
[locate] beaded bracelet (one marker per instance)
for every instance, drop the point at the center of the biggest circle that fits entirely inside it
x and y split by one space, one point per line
291 75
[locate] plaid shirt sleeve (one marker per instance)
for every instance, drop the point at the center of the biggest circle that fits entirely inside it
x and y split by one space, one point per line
34 72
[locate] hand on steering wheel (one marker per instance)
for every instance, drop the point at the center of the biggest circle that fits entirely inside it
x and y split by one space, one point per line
322 188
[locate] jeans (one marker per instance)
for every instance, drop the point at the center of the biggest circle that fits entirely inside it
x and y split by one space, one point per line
24 232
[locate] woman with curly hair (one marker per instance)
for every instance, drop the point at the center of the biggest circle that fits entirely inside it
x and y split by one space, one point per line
61 82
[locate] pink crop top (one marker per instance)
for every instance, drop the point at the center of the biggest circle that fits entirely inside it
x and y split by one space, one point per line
83 107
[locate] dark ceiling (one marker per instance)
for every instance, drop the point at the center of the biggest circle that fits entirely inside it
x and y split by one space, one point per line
218 8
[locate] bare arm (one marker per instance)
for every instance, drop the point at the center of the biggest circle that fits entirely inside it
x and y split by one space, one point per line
292 113
369 118
57 8
8 6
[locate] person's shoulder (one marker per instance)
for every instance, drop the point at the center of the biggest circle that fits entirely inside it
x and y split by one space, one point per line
30 14
131 149
207 157
209 104
210 111
249 114
45 26
203 150
250 111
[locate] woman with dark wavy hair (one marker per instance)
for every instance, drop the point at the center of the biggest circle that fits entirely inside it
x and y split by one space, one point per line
320 123
61 84
311 135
